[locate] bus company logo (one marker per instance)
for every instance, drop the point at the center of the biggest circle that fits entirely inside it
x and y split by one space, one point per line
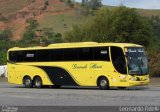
76 66
103 52
29 55
85 66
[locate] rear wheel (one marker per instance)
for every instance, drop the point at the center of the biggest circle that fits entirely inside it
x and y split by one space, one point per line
38 82
103 83
27 81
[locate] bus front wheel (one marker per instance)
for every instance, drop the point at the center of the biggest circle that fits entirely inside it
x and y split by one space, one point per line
27 81
38 82
103 83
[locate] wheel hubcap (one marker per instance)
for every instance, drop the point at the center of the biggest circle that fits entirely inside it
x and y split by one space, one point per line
103 83
38 83
28 82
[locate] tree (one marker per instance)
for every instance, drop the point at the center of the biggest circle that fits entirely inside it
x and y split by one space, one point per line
84 2
30 32
119 25
94 4
32 24
129 26
89 6
70 3
155 22
5 34
3 57
49 36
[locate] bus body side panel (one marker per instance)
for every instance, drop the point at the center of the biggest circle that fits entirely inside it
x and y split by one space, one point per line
58 75
81 72
107 71
69 73
19 71
11 73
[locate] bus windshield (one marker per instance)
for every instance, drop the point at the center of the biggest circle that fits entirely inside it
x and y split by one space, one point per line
137 61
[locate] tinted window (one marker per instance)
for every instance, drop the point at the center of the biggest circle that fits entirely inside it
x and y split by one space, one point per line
29 56
43 55
70 54
19 56
12 56
56 55
85 54
118 60
101 54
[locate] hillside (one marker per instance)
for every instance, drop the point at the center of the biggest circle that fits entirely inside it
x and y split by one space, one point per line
56 15
143 12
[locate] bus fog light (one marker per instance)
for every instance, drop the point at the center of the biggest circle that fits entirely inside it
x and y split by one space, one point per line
133 79
122 76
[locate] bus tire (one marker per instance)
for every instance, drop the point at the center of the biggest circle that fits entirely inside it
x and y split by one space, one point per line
38 82
28 83
103 83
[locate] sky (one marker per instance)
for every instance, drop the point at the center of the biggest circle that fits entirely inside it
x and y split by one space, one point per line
144 4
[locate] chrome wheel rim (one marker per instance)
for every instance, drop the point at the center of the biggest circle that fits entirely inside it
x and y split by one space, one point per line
38 83
103 83
27 82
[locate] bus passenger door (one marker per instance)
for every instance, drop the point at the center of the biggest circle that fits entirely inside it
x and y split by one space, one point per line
119 63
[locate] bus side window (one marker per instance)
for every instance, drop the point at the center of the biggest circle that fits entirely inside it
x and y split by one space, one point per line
56 55
12 56
71 54
29 56
86 54
43 55
19 56
118 60
101 54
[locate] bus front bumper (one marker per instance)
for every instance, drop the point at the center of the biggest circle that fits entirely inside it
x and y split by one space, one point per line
138 83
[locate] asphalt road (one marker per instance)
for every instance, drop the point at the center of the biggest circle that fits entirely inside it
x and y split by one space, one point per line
17 95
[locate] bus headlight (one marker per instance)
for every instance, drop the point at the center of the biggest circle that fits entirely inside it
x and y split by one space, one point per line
133 78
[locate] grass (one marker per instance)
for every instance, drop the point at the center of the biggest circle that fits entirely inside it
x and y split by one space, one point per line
58 21
11 6
149 13
62 22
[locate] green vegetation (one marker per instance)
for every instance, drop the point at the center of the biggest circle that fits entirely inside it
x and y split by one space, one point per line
62 22
5 44
142 12
93 23
92 4
124 25
119 25
30 38
34 36
89 6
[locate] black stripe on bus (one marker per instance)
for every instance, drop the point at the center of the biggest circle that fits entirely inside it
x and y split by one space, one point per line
58 76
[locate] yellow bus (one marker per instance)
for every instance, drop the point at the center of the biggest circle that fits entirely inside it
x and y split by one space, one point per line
79 64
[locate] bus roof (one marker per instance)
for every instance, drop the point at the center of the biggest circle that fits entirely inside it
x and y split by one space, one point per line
77 44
